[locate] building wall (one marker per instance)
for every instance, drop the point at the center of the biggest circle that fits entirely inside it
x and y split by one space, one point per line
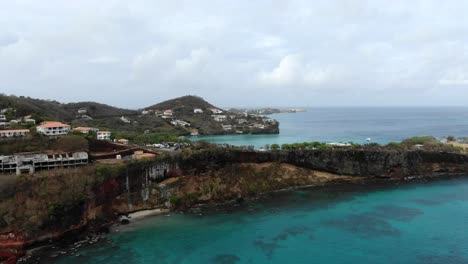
53 131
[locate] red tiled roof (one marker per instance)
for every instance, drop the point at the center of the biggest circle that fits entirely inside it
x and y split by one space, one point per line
84 128
47 124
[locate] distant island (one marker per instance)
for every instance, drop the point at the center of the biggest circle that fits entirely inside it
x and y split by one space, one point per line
267 111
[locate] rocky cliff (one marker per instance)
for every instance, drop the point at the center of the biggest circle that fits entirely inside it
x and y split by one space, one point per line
50 204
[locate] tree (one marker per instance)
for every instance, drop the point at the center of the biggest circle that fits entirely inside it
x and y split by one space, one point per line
275 147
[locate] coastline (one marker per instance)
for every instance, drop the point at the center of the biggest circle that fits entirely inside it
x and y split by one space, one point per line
223 177
70 245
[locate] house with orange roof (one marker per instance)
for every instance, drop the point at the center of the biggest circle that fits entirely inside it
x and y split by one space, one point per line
53 128
86 130
122 141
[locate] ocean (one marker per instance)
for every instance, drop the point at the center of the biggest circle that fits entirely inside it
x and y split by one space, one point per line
409 223
412 223
356 124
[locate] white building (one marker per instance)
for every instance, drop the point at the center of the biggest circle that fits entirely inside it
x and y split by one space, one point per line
125 120
216 111
2 118
197 111
227 127
86 130
14 133
82 111
241 121
167 112
219 118
103 135
145 112
180 123
53 128
260 126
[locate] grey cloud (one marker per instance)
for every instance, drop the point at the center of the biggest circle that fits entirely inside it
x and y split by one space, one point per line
297 52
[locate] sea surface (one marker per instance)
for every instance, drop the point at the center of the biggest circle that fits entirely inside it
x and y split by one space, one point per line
411 223
356 124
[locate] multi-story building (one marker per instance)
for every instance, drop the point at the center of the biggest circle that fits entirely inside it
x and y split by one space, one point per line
53 128
103 135
31 162
14 133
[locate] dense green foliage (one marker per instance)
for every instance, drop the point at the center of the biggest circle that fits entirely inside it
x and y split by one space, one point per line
53 110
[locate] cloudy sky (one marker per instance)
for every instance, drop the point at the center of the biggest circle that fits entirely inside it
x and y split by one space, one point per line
237 53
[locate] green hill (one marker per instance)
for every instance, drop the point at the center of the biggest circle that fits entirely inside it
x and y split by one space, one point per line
188 102
145 123
53 110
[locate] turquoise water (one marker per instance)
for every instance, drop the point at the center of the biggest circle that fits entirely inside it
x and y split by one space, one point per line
356 124
414 223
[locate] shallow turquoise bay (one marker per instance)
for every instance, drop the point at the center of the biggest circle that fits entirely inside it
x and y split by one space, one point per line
411 223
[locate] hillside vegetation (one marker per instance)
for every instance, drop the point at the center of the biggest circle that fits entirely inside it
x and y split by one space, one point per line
139 126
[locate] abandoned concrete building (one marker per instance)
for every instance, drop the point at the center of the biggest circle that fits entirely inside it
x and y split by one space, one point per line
31 162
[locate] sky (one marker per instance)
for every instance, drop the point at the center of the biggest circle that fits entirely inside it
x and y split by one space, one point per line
237 53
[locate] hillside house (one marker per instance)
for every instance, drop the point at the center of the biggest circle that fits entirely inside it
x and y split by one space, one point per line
241 121
14 133
2 118
82 111
197 111
86 117
27 119
219 118
180 123
215 111
259 126
168 112
145 112
122 141
227 127
86 130
125 120
53 128
103 135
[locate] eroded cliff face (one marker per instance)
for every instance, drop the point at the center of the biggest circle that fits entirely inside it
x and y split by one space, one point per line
49 204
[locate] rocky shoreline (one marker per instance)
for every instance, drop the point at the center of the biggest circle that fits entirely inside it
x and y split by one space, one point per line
70 245
69 203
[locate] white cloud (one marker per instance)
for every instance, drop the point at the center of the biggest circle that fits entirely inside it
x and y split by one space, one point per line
455 77
291 70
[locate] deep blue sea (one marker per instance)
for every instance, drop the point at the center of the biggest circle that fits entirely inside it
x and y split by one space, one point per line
356 124
413 223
